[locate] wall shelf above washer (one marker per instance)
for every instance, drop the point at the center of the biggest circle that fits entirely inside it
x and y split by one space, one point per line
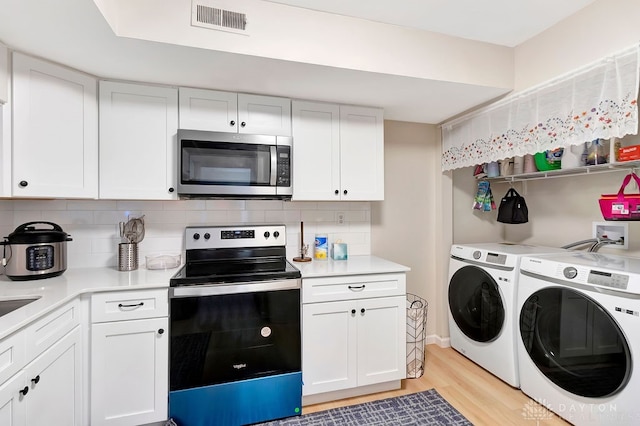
584 170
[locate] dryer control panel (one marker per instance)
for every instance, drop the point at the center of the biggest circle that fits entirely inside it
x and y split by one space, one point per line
608 279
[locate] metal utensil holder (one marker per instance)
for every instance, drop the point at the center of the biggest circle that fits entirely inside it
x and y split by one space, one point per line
127 256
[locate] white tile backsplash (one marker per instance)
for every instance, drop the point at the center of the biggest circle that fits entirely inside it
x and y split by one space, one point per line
93 224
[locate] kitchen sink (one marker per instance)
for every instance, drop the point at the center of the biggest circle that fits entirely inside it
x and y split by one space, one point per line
10 305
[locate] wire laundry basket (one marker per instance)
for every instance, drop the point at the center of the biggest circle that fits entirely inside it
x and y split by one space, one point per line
416 335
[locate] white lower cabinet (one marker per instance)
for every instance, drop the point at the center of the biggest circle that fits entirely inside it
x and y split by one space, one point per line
54 380
12 412
355 342
48 391
129 358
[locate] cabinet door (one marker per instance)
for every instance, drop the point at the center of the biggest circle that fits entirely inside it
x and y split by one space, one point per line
129 372
138 141
55 131
381 340
12 411
264 115
55 384
328 347
361 153
316 151
208 110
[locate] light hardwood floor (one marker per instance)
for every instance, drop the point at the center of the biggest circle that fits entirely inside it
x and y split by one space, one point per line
481 397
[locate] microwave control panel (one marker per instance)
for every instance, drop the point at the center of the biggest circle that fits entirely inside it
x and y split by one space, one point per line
284 166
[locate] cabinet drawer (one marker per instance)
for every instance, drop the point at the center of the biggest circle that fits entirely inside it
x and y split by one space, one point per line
12 355
329 289
127 305
51 328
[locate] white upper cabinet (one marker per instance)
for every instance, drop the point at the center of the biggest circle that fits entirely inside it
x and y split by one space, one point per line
316 151
338 152
138 141
208 110
361 153
55 131
217 111
264 115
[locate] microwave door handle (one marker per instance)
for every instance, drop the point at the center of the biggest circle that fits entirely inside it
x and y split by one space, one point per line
274 165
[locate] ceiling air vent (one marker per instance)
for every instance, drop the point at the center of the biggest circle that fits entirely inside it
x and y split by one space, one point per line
217 18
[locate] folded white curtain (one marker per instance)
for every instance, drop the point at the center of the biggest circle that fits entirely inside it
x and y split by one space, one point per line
596 101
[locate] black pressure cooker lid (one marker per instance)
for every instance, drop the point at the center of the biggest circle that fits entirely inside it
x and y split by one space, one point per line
27 233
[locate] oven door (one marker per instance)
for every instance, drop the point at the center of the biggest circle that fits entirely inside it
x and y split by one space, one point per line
229 164
229 333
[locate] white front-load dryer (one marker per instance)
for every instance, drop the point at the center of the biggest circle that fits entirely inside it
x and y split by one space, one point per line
579 336
482 298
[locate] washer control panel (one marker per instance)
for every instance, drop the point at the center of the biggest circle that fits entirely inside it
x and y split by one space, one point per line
608 279
498 259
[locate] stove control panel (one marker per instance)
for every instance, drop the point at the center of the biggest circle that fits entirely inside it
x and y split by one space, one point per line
233 235
207 237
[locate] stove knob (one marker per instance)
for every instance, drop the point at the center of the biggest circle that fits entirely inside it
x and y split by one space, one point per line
276 234
266 234
196 236
207 236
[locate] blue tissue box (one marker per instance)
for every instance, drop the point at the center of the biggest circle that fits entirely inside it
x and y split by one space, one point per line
339 251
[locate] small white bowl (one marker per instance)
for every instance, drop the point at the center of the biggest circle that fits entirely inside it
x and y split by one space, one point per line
162 261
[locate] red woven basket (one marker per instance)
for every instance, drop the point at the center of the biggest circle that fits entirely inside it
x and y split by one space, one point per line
621 206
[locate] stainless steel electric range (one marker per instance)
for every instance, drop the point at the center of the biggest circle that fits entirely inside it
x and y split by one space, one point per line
235 347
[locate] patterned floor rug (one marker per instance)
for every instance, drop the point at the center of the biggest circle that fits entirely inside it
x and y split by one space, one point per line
422 408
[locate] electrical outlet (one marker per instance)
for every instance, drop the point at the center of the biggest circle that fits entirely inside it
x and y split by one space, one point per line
340 218
613 231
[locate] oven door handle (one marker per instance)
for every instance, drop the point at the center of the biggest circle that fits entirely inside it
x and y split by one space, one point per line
208 289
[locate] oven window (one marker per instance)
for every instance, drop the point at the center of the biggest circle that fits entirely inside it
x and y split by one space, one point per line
575 342
226 338
219 163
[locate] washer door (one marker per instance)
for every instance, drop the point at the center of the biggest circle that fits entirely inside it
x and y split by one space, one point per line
475 304
575 342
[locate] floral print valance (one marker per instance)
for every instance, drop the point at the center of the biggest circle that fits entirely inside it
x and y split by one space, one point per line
597 101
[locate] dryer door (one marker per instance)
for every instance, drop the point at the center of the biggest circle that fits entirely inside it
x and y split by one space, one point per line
476 304
575 342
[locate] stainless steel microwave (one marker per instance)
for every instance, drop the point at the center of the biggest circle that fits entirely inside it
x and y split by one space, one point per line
233 165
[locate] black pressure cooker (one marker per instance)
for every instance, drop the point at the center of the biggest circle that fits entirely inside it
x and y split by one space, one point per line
32 252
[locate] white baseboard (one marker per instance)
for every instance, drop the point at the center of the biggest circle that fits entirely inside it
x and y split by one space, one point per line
443 342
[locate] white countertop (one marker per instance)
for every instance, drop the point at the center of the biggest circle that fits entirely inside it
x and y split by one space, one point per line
355 265
56 291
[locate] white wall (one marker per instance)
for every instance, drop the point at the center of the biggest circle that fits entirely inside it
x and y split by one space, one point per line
602 28
404 227
93 225
322 39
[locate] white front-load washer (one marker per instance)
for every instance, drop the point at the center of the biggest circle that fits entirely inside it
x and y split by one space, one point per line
482 297
579 336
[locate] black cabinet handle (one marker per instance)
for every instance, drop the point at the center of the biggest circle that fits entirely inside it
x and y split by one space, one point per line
344 192
24 391
137 305
362 310
36 380
337 192
23 183
171 189
232 122
243 124
353 311
161 331
356 287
